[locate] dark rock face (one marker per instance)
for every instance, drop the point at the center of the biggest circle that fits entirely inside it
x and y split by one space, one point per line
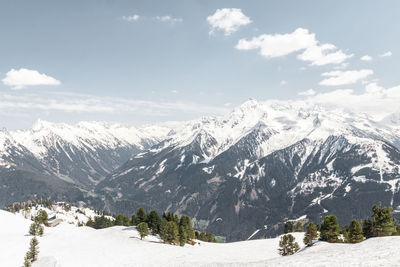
44 163
235 194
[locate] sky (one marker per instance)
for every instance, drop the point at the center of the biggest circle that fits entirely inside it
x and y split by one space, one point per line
140 62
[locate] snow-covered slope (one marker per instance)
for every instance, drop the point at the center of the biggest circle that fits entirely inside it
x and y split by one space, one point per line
263 163
260 164
69 246
81 154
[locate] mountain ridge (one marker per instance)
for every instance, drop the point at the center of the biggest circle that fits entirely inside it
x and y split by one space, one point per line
260 164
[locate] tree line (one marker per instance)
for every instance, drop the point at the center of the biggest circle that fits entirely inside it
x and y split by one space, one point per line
380 224
172 229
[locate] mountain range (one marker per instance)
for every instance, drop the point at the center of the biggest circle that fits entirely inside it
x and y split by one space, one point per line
245 172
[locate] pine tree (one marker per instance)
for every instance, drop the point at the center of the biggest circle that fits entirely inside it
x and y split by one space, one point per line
287 245
143 229
134 220
330 229
119 219
367 228
42 217
33 249
154 222
41 230
33 229
172 233
311 234
397 230
141 215
183 238
382 221
355 232
163 229
27 260
288 228
299 227
36 229
187 224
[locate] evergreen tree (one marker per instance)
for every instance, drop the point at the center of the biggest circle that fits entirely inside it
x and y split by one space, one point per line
311 234
183 237
288 228
41 230
175 218
287 245
187 225
100 222
299 227
42 217
134 220
141 215
119 219
355 234
397 230
33 229
27 260
367 228
382 221
163 229
33 249
36 229
154 222
330 229
172 233
210 237
143 229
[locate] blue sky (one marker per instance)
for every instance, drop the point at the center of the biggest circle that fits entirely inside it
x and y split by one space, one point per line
148 61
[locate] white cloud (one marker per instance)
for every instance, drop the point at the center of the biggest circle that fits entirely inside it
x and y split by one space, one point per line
174 91
169 19
283 82
22 78
278 45
131 18
228 20
323 54
366 58
309 92
376 101
344 77
386 54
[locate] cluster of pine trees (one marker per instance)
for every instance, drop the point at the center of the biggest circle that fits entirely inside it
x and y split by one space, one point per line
171 228
35 229
380 224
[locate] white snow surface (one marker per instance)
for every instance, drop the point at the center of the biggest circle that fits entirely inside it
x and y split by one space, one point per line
73 216
67 245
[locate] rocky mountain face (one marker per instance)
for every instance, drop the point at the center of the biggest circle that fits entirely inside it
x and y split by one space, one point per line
258 166
262 164
62 162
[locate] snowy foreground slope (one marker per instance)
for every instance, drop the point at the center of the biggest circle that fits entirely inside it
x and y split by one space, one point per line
67 245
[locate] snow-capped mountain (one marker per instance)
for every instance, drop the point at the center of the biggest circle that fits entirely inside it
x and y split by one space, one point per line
261 164
255 167
62 157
